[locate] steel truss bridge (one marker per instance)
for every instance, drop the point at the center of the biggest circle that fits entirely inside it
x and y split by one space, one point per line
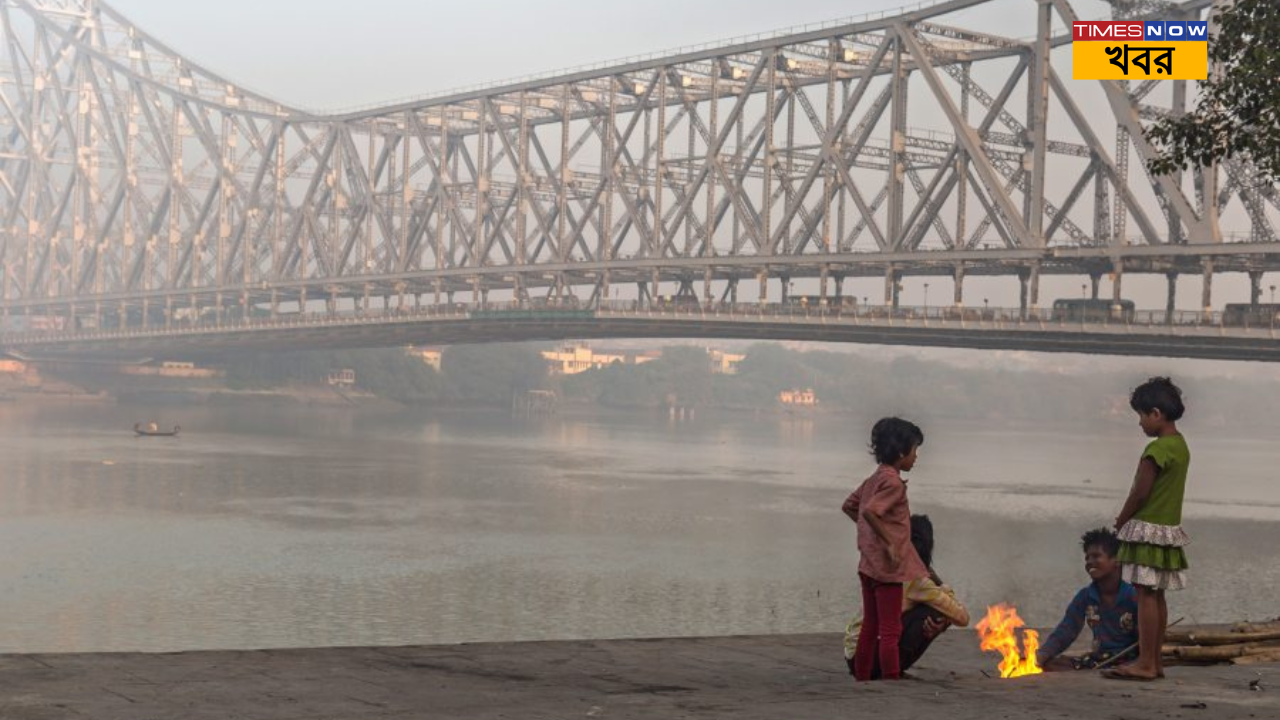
148 203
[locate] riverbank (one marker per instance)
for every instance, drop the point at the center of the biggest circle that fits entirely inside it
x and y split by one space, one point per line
745 678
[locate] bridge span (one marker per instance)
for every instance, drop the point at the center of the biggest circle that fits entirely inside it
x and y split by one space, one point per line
140 191
1156 334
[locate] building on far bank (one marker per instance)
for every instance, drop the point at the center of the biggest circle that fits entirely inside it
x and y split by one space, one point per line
578 358
798 398
431 356
173 370
724 363
345 377
19 372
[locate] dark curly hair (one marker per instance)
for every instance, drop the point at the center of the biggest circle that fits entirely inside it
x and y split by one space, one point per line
893 438
922 538
1161 394
1102 538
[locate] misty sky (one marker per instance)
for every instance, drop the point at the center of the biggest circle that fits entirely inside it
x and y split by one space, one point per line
324 54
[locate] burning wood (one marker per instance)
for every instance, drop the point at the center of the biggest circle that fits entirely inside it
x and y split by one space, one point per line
998 632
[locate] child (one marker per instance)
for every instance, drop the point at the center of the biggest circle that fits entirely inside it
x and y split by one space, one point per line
879 506
928 606
1150 525
1109 605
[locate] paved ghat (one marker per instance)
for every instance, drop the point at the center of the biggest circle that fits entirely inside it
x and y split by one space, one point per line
745 678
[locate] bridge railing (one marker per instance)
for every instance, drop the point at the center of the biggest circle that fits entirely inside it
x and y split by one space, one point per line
986 314
677 308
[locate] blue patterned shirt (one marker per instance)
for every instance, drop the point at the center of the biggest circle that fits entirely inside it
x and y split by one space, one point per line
1114 628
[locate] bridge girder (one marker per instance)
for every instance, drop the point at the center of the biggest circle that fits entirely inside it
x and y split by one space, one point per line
132 176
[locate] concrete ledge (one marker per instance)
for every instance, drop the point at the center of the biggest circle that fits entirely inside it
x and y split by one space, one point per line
745 678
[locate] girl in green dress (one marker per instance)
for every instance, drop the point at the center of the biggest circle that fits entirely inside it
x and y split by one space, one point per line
1150 525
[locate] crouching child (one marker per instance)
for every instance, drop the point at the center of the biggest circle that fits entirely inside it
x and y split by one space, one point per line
1108 605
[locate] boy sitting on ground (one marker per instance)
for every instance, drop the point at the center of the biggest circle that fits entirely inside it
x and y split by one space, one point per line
1109 605
929 607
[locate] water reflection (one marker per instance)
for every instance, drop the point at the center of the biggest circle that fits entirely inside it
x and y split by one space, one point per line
277 527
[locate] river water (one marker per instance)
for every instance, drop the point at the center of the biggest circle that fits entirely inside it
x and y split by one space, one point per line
292 526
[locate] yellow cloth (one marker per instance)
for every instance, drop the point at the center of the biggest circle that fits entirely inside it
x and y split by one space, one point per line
923 591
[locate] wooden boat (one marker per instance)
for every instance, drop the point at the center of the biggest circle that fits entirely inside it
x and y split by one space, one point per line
153 431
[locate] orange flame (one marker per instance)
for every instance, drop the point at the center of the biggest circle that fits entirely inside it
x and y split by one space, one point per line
998 631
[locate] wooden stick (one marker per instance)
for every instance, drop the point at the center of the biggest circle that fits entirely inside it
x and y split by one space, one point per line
1260 627
1228 638
1259 658
1130 649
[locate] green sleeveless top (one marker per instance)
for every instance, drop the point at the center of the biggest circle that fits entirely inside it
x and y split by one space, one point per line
1173 457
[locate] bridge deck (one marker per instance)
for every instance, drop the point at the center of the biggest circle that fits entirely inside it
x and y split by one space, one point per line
1188 335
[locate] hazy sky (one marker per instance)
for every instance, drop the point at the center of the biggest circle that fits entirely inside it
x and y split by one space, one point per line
328 54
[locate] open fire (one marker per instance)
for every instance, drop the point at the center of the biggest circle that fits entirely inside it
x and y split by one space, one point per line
998 631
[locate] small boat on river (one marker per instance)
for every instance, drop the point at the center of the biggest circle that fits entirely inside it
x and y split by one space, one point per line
153 430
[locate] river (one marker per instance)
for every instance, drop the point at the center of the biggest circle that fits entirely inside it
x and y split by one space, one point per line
293 526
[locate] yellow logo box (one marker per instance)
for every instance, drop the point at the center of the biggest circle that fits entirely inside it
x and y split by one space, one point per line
1140 60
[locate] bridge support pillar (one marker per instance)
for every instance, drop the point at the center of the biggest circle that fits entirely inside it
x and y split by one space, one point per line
839 288
1255 287
302 301
275 303
786 288
959 273
655 290
217 308
642 295
891 287
823 276
1117 290
333 303
708 296
733 291
1029 293
124 314
606 282
1171 301
438 290
762 279
1207 295
1035 288
1096 280
168 314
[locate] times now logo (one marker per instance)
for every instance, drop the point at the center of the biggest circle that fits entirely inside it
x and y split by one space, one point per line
1150 30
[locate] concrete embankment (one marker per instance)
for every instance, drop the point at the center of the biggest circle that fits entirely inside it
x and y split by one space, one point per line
746 678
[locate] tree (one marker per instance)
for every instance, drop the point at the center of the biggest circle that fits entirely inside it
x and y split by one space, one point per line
1238 112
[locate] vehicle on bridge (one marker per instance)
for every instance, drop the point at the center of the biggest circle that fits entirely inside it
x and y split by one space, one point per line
33 323
819 303
1251 315
678 302
1093 310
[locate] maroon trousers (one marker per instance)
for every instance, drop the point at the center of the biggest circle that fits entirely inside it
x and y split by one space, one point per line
881 631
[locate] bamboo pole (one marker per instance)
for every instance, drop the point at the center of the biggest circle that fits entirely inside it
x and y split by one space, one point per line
1224 638
1224 652
1259 658
1262 627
